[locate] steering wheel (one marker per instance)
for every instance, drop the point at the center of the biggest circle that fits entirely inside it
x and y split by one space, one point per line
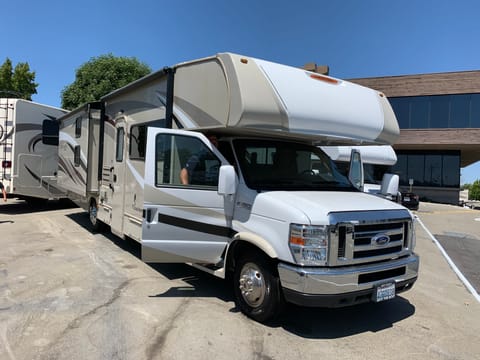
307 172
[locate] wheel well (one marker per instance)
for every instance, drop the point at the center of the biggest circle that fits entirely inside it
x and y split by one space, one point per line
241 247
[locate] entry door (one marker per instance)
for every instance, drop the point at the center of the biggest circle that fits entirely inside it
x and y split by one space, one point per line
118 180
183 222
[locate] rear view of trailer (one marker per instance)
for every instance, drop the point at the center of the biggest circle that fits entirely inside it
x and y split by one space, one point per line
28 149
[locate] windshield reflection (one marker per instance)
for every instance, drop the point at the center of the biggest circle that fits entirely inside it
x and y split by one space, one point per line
281 165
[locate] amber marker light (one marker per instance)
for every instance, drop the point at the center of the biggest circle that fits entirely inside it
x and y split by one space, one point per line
326 79
244 61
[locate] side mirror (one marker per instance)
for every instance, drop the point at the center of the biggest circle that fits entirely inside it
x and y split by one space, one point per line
389 186
355 173
227 180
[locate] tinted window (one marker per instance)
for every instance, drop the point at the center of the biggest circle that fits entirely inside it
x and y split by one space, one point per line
433 170
400 168
451 173
138 137
50 131
76 156
439 111
78 127
120 144
475 111
460 111
177 154
416 168
401 107
419 112
282 165
138 134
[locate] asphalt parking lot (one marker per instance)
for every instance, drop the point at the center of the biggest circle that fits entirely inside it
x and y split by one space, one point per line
66 293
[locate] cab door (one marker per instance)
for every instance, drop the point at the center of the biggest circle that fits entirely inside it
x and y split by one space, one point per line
117 185
184 222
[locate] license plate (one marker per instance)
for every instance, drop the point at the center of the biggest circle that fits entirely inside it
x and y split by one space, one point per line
384 292
406 198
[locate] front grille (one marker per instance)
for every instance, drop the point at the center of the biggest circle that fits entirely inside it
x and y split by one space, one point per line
361 238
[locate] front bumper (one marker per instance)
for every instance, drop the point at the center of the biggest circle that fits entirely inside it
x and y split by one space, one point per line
343 286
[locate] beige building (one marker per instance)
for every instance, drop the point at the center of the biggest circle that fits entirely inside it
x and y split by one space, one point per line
439 118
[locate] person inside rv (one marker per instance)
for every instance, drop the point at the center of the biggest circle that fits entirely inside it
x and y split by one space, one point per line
4 192
201 168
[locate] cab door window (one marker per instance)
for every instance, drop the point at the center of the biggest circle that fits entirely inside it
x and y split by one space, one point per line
185 161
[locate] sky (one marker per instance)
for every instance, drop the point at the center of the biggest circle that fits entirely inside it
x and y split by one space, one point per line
355 38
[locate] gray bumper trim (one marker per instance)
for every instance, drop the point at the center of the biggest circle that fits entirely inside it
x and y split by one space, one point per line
342 280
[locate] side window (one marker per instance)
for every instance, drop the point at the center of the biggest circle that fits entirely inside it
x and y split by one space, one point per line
120 144
78 127
138 134
50 131
185 161
76 156
138 138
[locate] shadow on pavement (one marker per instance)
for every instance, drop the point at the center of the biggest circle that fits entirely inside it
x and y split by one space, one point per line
312 323
18 207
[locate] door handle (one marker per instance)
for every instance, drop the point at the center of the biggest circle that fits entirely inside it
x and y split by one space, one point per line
148 215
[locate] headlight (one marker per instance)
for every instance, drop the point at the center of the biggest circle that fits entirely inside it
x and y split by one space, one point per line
309 244
413 237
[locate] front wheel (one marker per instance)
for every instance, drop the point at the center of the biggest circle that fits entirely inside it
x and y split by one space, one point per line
257 288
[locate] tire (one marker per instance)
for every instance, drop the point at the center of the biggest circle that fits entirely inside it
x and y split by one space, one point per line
97 225
257 288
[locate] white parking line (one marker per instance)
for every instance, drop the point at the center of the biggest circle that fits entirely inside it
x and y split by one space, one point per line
450 262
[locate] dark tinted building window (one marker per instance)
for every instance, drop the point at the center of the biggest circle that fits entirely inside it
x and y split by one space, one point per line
460 111
475 111
437 111
401 108
451 171
419 112
433 169
416 168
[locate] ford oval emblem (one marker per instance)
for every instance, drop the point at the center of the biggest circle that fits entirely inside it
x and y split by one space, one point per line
380 239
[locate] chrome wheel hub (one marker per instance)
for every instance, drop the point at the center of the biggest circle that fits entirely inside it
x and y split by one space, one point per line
252 285
93 215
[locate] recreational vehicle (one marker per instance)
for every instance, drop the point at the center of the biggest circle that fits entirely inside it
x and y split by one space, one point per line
377 161
265 207
28 149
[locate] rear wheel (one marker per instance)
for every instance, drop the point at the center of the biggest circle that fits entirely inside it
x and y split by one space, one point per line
97 225
257 288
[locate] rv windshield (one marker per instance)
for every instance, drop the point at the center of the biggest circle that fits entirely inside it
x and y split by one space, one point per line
282 165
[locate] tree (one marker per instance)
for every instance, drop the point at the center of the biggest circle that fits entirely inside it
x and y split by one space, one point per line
99 76
18 82
474 191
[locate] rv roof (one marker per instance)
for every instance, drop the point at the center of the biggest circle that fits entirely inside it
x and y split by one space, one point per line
236 93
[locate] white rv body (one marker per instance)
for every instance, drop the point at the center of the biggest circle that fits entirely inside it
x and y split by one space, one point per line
28 161
371 154
308 239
